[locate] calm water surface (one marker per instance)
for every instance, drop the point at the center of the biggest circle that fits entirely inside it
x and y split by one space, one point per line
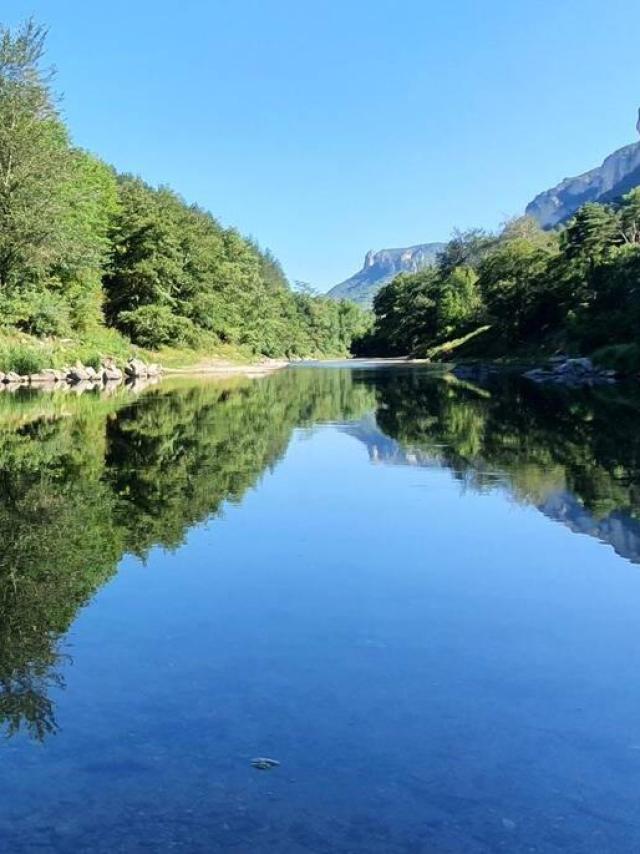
421 596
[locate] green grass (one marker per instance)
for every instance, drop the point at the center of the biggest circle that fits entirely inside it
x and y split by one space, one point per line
27 354
444 351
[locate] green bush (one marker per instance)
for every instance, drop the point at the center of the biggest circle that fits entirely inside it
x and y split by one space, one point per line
22 359
156 326
623 358
92 360
36 313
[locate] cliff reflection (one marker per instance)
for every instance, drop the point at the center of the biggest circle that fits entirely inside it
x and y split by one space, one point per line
574 454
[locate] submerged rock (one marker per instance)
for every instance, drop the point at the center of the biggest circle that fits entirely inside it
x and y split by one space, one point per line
263 763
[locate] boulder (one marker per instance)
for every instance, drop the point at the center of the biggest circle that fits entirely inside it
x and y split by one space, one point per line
53 374
78 374
153 370
571 372
111 373
12 377
135 369
42 377
582 366
91 373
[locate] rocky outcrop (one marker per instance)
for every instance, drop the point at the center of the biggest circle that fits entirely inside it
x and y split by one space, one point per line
81 377
78 374
136 369
572 372
619 173
381 267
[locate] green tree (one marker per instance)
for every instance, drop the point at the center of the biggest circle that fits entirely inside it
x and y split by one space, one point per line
35 162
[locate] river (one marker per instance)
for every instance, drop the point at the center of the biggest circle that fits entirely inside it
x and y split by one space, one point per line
419 596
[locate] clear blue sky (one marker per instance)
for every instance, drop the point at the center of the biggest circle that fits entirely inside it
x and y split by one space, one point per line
328 128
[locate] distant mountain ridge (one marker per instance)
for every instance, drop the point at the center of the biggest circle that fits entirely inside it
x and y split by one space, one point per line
381 267
619 173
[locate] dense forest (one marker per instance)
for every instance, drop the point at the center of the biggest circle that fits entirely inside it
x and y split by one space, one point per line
523 291
84 250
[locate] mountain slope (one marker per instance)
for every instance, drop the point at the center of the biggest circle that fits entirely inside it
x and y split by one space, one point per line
619 173
380 267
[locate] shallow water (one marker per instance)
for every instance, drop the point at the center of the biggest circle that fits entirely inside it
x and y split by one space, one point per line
420 596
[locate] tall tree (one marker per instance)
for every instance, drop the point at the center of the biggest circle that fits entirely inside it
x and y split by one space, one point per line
34 159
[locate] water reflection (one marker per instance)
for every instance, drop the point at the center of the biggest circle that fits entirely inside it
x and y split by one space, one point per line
86 480
574 454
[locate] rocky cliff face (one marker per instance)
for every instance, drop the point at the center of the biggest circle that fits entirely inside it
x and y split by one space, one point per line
380 267
618 174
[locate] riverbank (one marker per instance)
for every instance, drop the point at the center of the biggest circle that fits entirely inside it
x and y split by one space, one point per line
223 367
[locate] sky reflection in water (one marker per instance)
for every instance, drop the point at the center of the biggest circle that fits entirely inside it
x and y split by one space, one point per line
358 573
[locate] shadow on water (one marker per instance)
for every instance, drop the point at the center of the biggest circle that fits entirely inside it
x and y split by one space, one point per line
85 481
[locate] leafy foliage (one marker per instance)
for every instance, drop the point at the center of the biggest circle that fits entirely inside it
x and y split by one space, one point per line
576 289
81 246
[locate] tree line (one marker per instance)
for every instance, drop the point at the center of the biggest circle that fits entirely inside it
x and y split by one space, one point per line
82 247
523 290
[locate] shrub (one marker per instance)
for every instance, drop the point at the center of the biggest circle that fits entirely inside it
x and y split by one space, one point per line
154 326
37 313
93 360
22 359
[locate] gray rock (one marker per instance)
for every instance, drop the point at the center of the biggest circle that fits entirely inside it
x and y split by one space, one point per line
583 365
78 374
135 368
12 377
43 377
571 372
111 373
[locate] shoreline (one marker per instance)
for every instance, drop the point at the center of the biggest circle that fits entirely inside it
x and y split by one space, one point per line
228 368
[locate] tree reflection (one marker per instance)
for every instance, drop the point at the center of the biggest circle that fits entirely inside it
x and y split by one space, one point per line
85 480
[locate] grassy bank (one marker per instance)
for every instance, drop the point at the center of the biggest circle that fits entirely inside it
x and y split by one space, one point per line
28 354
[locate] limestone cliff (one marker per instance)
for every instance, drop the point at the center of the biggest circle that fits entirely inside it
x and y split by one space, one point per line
380 267
618 174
